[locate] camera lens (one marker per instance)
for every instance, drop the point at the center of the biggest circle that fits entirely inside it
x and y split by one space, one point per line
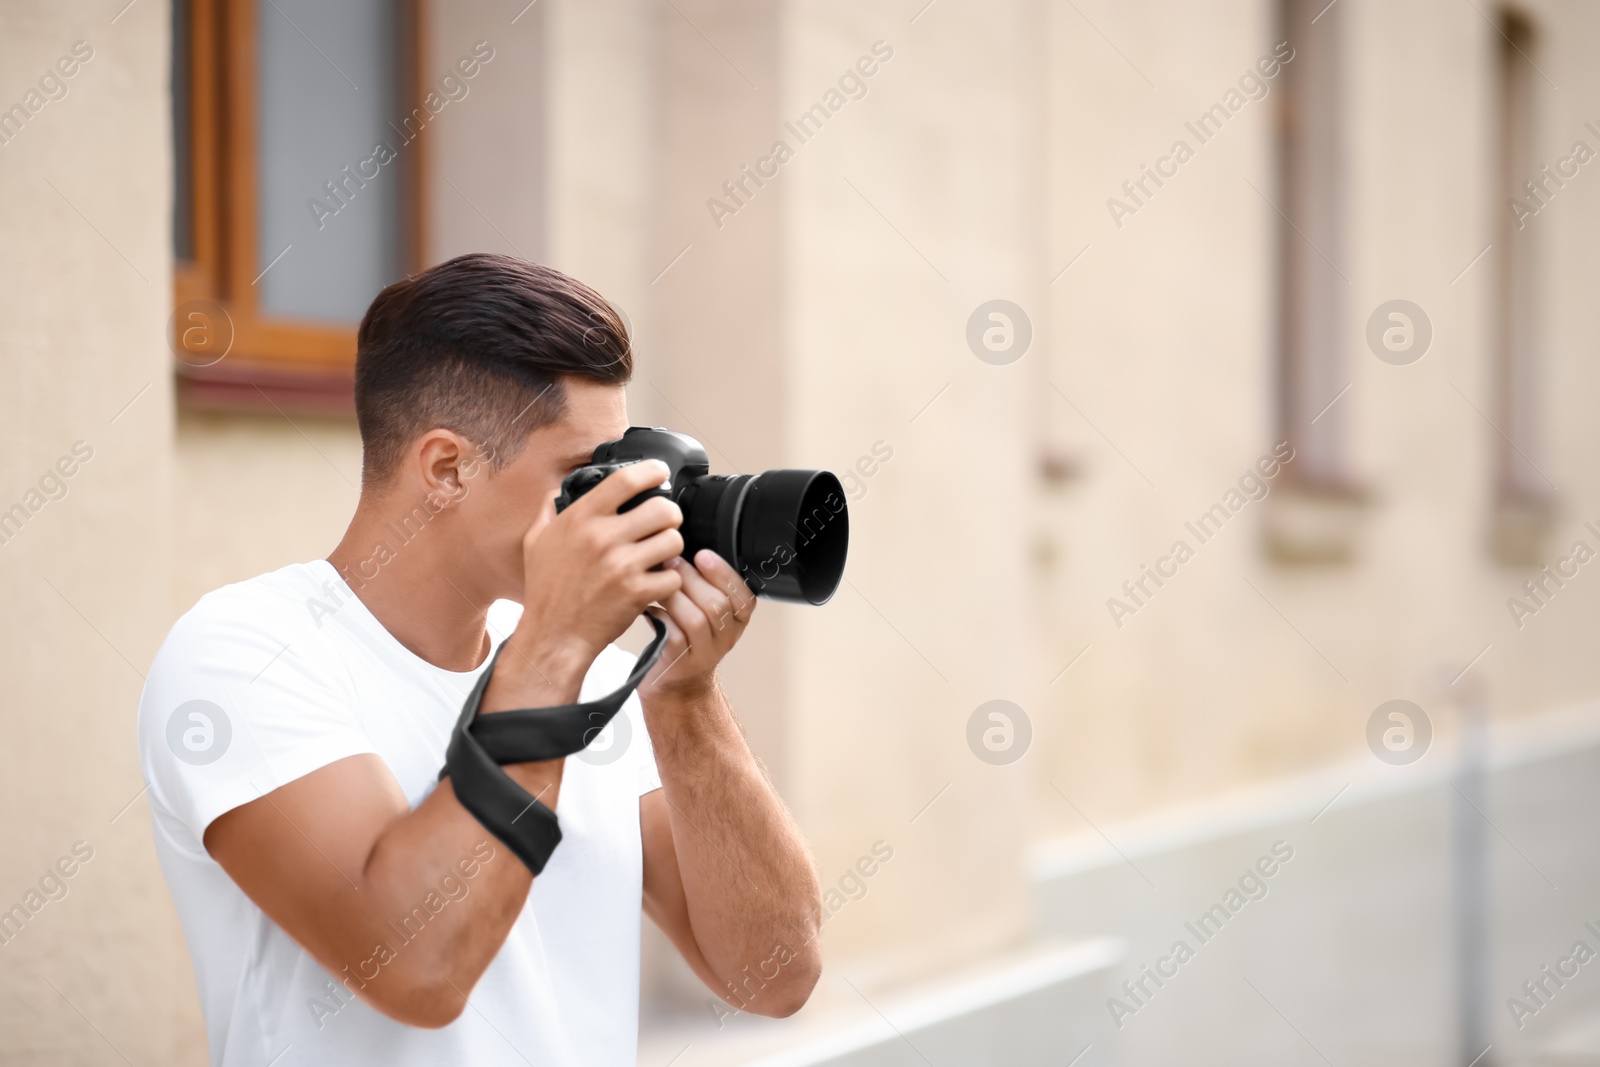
787 532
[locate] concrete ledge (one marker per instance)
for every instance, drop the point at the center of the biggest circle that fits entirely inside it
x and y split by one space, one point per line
1358 939
1037 1006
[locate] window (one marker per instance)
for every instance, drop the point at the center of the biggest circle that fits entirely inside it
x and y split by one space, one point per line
1313 293
1314 520
295 190
1523 500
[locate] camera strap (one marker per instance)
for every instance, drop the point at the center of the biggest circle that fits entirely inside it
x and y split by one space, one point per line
480 744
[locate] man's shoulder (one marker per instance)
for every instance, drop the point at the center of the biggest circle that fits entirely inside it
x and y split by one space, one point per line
244 694
280 603
232 633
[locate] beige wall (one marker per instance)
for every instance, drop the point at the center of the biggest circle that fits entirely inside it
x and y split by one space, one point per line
1163 342
255 493
933 621
818 320
83 305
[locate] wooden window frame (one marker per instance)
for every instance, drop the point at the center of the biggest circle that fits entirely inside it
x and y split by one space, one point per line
272 361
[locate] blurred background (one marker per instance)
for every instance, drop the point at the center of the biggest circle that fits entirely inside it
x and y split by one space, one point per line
1214 679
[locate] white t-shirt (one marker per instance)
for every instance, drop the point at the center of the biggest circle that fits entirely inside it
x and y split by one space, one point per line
268 680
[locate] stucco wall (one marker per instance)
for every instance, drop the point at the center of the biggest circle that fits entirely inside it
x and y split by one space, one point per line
84 292
1163 342
826 315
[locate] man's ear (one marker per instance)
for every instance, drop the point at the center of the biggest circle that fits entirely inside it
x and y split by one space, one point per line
445 462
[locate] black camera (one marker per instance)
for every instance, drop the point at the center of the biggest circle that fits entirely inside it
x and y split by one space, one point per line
785 531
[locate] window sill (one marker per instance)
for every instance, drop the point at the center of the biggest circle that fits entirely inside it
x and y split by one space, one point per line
1315 525
257 388
1520 528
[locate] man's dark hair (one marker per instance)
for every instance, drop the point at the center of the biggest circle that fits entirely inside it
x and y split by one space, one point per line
479 345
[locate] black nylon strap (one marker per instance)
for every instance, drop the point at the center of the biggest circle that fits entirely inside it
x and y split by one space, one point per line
530 734
480 744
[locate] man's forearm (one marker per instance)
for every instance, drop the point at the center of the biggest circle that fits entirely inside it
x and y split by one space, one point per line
446 959
751 891
406 908
463 946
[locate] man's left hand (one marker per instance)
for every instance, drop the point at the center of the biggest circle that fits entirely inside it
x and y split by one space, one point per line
704 620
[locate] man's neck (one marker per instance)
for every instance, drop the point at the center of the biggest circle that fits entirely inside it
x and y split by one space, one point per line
397 560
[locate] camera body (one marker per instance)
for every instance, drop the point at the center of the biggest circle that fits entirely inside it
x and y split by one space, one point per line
684 456
785 531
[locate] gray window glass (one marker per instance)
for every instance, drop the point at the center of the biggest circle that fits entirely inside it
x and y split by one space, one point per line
330 167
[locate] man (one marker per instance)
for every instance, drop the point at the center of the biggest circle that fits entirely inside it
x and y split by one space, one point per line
340 905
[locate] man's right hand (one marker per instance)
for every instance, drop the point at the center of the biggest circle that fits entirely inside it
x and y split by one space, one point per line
588 573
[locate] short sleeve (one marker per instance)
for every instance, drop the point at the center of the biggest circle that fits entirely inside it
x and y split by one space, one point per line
235 706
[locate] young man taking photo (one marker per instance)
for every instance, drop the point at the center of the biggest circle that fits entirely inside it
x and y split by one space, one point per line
340 904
